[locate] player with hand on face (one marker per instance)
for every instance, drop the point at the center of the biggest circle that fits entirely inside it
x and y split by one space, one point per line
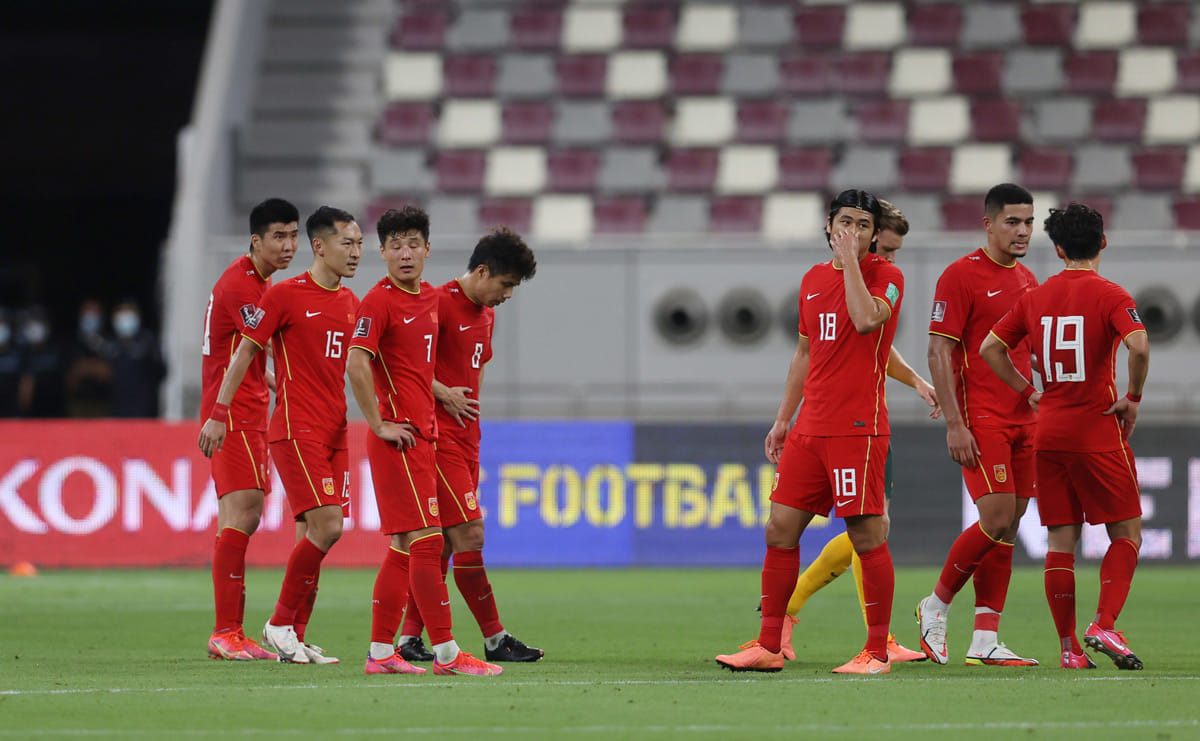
308 320
499 263
239 470
833 457
1085 467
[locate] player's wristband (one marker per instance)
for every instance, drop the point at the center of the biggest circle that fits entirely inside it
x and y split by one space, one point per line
219 412
1028 392
1135 398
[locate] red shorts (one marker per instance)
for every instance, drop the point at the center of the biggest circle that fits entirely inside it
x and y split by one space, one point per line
458 480
1087 487
313 475
241 463
405 483
845 474
1006 462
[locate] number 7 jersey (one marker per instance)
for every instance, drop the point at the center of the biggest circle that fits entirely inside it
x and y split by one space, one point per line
1075 321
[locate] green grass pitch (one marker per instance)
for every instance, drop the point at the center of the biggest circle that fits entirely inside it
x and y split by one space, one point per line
629 654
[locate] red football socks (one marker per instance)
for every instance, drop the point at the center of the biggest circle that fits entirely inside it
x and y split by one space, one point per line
781 567
305 610
229 578
387 601
413 622
992 577
1060 595
968 550
879 586
1116 574
301 576
471 578
429 587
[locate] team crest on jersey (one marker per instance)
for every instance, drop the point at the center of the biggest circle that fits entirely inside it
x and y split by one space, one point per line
1133 314
1001 473
471 503
433 508
939 311
251 315
363 328
327 485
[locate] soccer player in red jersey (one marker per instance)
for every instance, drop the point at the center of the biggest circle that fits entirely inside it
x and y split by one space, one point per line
239 470
391 366
308 319
499 263
834 455
989 428
1085 467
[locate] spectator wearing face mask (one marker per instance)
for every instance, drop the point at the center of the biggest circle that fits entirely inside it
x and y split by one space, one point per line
137 364
11 360
89 374
40 392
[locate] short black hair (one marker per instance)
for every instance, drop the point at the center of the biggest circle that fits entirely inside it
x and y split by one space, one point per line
504 253
860 199
402 221
1077 229
272 211
323 222
1002 195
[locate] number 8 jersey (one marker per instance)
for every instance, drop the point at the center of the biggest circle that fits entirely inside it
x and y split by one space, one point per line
844 389
464 346
1075 320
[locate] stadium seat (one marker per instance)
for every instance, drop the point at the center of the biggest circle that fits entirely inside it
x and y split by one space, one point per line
920 72
458 212
1101 167
578 122
789 216
995 120
515 170
805 168
1191 173
750 74
703 121
691 169
695 74
679 214
1033 71
516 213
469 75
638 121
923 210
962 213
1105 25
527 122
562 218
525 76
939 120
990 26
819 26
619 215
478 28
1091 71
460 171
1048 25
403 124
629 170
748 168
648 26
864 166
765 26
886 120
926 169
762 120
1145 71
1163 24
978 72
469 123
936 25
874 26
865 72
706 26
572 170
636 74
1062 119
1119 120
818 121
1173 118
1187 213
1188 71
536 28
412 76
399 171
974 168
1141 211
1045 168
582 75
591 28
809 74
420 30
1159 168
735 214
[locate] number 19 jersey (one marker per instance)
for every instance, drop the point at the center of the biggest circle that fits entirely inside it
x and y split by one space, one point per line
844 389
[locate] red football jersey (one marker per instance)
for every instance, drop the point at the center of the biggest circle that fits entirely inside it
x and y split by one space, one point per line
464 346
400 330
233 302
844 389
1075 321
971 296
311 327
